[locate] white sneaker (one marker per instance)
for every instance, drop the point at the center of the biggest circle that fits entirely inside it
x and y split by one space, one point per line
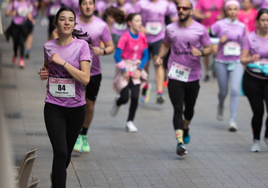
44 22
220 114
114 108
130 127
265 140
232 126
256 146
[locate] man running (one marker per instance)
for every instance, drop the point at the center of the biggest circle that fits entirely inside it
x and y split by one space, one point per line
184 68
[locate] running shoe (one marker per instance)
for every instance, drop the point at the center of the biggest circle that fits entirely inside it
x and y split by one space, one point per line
115 108
256 146
232 126
206 79
27 55
186 136
266 141
21 63
145 98
14 60
160 98
130 127
85 145
78 144
181 150
220 114
165 84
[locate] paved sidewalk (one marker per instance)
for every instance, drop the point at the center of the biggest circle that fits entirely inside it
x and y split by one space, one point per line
216 158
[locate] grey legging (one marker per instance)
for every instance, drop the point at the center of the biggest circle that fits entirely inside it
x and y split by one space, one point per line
223 76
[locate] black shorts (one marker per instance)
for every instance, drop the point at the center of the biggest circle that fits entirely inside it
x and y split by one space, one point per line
92 89
154 48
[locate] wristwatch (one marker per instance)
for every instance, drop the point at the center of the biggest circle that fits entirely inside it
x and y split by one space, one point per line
104 52
202 52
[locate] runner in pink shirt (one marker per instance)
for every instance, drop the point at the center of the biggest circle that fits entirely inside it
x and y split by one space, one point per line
20 11
227 66
184 68
153 14
248 15
68 61
131 56
255 79
208 11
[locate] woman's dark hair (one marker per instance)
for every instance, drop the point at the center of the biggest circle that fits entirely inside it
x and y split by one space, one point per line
131 16
80 2
117 14
261 12
77 33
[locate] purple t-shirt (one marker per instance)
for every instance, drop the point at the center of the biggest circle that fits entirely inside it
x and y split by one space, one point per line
101 6
260 4
153 17
73 53
98 31
195 35
22 9
235 32
52 8
33 8
120 29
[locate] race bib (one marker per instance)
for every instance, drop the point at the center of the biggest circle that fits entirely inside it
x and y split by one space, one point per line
62 87
31 8
23 12
154 28
54 9
231 49
179 72
120 27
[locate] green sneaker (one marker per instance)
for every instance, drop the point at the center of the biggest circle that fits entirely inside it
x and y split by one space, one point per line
78 144
85 146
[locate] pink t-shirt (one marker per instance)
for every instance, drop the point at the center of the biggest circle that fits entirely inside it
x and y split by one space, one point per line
98 31
195 35
22 9
235 32
73 53
132 48
248 19
120 29
212 6
153 17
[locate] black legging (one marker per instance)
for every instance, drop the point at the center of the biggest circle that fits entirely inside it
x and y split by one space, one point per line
63 127
19 34
182 93
124 96
256 91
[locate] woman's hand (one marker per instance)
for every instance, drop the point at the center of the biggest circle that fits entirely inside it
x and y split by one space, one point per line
97 50
223 39
137 74
44 73
255 57
55 58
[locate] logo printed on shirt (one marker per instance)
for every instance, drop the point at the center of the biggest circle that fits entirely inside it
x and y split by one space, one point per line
214 8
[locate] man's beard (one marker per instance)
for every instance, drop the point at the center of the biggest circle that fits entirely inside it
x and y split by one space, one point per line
86 15
187 16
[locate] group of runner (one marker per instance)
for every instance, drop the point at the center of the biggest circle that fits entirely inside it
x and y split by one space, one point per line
136 31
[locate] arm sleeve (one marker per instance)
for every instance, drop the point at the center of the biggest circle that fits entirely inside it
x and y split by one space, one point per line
166 38
172 11
45 55
10 6
205 39
145 58
84 53
117 55
214 29
198 6
106 36
246 44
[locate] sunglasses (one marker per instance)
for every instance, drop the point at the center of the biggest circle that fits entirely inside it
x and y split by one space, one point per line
183 8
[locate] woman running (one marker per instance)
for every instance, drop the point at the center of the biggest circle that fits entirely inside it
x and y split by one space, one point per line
255 80
131 56
231 33
21 12
67 59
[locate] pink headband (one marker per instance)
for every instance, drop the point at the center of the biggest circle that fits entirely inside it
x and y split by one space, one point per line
231 2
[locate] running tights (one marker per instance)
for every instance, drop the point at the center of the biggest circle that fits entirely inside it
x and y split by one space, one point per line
256 91
63 127
19 34
182 93
235 79
124 96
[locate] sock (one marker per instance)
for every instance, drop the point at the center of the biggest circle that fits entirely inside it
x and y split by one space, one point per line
159 92
186 124
179 135
84 131
145 89
27 51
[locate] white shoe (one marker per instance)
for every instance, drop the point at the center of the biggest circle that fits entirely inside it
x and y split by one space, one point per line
232 126
256 146
44 22
114 108
220 114
266 141
130 127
